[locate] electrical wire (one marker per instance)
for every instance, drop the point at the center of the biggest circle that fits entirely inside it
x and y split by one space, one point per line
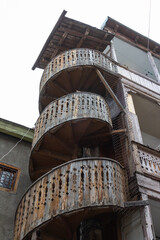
149 23
15 144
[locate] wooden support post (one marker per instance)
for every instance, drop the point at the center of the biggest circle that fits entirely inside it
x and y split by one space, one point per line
110 90
130 103
36 235
155 69
146 219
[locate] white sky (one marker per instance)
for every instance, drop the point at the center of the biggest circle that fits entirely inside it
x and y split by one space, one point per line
26 24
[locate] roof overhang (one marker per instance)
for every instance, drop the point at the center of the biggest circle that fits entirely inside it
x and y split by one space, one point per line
132 36
69 34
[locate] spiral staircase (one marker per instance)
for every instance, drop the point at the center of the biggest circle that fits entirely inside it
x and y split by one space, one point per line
77 181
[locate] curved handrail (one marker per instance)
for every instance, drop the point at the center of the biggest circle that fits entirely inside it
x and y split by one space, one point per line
76 57
70 107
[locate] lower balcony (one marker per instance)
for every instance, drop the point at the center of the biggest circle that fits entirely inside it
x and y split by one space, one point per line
69 193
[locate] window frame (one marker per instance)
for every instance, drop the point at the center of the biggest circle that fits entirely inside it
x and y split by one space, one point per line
16 177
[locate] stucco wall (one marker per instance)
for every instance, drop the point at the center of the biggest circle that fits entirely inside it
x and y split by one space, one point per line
8 201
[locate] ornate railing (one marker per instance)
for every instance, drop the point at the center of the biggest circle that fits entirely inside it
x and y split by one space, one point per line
147 160
70 107
76 57
150 163
78 184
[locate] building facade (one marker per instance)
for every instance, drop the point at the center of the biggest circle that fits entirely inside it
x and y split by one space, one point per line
14 176
95 157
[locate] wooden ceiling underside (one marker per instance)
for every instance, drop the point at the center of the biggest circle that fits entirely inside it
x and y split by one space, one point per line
70 34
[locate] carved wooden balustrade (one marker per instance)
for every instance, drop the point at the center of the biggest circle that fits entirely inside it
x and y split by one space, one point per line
79 105
75 185
149 160
74 58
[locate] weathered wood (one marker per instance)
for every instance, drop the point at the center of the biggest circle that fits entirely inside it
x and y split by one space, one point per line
71 107
110 90
139 203
135 131
130 103
149 160
119 131
73 58
81 183
156 72
146 219
148 183
78 34
83 38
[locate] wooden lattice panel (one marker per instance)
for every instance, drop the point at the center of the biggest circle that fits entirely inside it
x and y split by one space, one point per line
79 184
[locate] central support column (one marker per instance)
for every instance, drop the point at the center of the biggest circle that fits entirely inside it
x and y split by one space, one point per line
90 229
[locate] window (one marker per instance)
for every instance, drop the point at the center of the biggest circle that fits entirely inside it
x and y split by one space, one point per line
9 176
134 58
148 113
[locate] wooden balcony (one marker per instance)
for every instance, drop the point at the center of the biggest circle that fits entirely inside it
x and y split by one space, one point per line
74 70
68 193
76 119
148 161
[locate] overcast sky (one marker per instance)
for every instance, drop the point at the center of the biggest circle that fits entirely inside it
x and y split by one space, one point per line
26 24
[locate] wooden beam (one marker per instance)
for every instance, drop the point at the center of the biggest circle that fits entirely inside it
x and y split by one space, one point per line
59 44
119 131
139 203
83 38
78 34
55 155
104 38
64 144
110 90
60 87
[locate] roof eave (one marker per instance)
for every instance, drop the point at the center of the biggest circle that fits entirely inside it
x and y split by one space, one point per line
49 38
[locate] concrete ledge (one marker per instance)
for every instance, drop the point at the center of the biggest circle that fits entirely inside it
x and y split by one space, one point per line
15 130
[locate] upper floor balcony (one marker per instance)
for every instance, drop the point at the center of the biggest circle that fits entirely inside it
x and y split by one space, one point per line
69 193
74 70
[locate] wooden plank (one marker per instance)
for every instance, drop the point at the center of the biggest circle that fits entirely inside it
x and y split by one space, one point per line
83 38
135 128
148 183
146 219
110 90
77 33
118 131
139 203
156 72
130 103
